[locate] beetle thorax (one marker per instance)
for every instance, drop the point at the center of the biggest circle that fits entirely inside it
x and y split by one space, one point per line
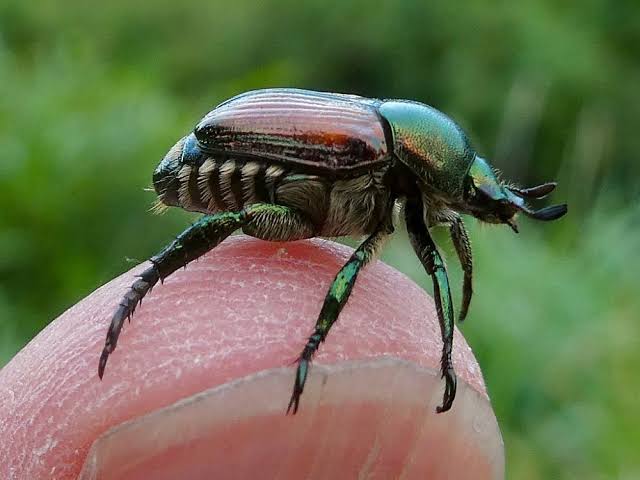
432 145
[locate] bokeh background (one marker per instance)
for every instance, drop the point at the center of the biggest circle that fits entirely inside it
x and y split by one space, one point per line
93 94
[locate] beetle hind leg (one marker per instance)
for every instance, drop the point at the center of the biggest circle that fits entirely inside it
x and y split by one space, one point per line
333 303
142 286
267 221
194 242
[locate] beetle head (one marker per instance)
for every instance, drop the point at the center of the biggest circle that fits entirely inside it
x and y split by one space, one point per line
490 201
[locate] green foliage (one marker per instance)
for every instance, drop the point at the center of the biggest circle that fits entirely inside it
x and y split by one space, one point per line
94 94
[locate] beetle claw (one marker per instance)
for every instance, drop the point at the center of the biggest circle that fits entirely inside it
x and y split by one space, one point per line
449 390
294 402
103 362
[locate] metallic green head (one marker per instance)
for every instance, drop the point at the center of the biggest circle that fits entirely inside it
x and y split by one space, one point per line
437 150
486 198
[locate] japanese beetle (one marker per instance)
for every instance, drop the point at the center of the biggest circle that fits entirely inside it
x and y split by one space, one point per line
288 164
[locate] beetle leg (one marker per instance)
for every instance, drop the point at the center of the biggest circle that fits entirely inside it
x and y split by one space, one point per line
334 302
430 258
277 223
462 245
195 241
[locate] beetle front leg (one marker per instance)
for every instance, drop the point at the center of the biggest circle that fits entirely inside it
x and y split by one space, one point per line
462 245
333 303
428 254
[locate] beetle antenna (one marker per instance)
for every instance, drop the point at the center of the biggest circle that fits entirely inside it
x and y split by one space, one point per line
546 214
538 192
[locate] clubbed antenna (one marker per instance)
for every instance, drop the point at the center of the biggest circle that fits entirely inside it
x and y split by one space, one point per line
552 212
516 195
538 192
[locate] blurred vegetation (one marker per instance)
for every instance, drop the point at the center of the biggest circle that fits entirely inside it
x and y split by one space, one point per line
94 94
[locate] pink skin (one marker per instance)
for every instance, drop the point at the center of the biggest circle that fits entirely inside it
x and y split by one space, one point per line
246 307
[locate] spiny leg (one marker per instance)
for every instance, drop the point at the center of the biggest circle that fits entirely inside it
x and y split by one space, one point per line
428 254
334 302
462 245
194 242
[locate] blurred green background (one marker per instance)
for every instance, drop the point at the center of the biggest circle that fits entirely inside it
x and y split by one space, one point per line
93 95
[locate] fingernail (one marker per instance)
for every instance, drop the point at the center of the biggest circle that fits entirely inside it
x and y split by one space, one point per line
356 420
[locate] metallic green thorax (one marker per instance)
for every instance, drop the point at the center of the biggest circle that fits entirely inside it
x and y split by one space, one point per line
430 144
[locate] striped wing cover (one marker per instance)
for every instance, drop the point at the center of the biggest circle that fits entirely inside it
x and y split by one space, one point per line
323 131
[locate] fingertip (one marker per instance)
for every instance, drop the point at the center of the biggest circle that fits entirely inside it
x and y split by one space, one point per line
246 307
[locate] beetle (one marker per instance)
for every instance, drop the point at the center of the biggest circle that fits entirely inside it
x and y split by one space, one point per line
287 164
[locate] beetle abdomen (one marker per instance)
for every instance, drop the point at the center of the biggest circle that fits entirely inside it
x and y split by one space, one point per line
194 180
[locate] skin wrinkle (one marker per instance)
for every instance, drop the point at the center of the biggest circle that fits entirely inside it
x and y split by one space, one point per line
54 380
